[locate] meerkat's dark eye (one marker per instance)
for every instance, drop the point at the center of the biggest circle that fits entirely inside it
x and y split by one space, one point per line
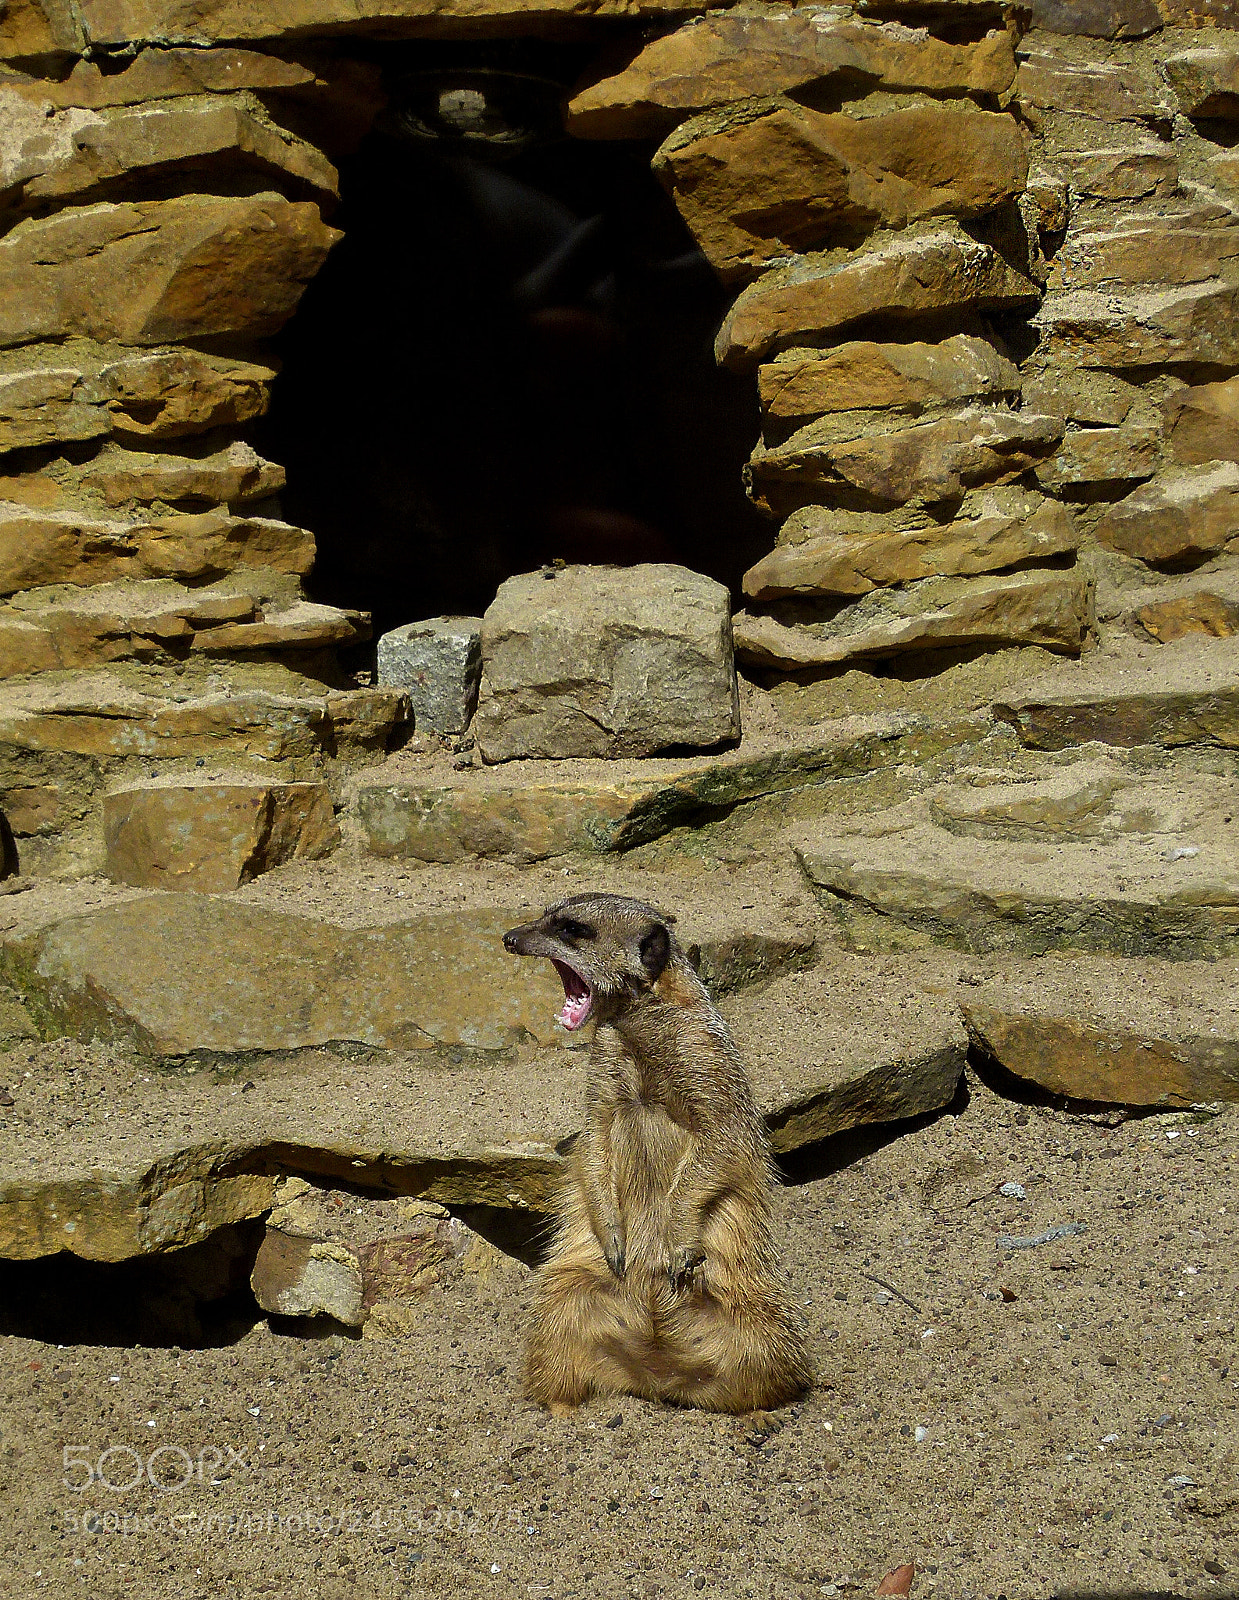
576 931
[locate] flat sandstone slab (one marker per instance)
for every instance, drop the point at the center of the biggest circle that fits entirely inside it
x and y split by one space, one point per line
849 1043
68 154
1185 693
923 462
1193 323
864 376
1050 609
766 179
817 296
94 714
1156 1033
1130 897
831 563
151 271
176 973
484 813
115 22
735 55
181 1154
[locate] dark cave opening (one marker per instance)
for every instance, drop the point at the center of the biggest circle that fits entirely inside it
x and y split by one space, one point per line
507 360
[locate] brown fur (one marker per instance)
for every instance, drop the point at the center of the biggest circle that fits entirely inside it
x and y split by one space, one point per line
663 1279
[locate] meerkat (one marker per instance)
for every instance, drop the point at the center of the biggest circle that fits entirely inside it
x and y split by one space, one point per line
663 1280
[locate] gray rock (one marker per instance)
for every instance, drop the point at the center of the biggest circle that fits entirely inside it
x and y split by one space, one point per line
438 661
606 661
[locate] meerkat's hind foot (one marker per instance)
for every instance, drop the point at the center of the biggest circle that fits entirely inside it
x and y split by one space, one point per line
758 1426
562 1408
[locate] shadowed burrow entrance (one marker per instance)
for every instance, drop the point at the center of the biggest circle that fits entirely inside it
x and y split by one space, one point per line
507 360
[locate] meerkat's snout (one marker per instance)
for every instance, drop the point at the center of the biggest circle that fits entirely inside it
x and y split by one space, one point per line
602 946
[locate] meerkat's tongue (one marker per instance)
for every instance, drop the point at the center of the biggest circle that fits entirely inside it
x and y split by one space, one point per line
578 1001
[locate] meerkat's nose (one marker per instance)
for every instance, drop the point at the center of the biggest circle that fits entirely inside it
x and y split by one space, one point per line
509 941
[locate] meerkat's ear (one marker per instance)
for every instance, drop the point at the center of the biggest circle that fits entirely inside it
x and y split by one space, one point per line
655 950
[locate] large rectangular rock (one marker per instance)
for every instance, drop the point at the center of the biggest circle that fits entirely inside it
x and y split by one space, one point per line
606 661
210 837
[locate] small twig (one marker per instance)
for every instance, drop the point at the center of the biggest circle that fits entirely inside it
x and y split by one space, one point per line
873 1278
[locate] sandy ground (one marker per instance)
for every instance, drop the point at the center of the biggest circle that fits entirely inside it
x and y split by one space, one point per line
1058 1420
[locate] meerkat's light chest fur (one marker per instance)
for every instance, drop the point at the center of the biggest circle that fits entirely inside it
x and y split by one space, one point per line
663 1280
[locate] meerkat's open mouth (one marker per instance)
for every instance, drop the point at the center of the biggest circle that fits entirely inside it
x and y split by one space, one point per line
578 997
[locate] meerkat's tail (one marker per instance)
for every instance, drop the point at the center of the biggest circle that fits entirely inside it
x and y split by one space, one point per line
745 1354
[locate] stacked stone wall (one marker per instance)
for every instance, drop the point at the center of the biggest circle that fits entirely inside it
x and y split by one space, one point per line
986 268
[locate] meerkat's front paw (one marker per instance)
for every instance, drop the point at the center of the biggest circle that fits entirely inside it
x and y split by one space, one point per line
682 1268
614 1249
